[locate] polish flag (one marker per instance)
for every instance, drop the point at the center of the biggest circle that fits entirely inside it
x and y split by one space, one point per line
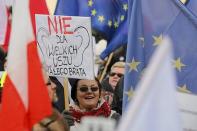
25 99
37 7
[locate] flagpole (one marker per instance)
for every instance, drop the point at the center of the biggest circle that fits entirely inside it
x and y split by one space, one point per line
51 4
66 94
106 65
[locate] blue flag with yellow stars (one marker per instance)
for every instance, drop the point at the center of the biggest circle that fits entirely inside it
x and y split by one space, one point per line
108 18
149 22
119 39
103 13
67 7
120 36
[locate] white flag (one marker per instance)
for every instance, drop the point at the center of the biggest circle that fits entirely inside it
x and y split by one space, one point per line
154 106
3 21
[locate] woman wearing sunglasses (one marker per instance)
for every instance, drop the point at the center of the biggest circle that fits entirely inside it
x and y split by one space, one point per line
110 82
88 102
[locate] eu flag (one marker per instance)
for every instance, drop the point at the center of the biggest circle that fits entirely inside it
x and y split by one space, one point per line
119 37
104 15
149 22
67 7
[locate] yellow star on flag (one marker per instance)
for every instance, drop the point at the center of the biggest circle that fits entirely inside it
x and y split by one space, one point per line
90 3
125 7
184 89
101 18
109 23
141 39
183 1
116 24
133 65
93 12
122 17
178 64
130 94
157 40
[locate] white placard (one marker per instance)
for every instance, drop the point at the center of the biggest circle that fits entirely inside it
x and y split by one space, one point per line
65 45
188 107
97 124
3 21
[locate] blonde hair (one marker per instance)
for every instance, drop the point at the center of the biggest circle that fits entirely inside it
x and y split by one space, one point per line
118 64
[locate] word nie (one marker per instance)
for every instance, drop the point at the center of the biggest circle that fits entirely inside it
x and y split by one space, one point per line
59 24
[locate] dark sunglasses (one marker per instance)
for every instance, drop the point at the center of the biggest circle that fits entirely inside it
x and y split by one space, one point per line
86 89
113 74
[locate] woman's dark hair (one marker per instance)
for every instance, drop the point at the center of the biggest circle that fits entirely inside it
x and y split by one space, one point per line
74 89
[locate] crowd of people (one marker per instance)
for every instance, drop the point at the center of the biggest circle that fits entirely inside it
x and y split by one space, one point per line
90 98
87 98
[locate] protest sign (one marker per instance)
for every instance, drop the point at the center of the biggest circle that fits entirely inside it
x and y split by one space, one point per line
96 124
65 45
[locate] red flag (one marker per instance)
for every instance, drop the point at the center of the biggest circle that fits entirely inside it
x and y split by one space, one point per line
25 99
37 7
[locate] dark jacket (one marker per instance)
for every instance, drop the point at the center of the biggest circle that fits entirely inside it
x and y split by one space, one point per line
118 96
106 86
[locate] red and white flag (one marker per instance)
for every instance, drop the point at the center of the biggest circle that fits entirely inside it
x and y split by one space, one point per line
37 7
3 21
8 29
25 99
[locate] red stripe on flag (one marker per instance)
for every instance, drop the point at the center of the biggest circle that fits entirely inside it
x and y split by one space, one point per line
13 114
39 102
37 7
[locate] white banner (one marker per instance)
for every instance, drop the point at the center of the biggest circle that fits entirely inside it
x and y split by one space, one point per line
3 21
154 106
188 108
65 45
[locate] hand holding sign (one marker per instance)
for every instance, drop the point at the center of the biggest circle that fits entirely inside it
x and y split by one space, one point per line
97 124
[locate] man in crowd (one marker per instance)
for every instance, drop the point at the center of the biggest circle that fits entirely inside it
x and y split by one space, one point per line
109 84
